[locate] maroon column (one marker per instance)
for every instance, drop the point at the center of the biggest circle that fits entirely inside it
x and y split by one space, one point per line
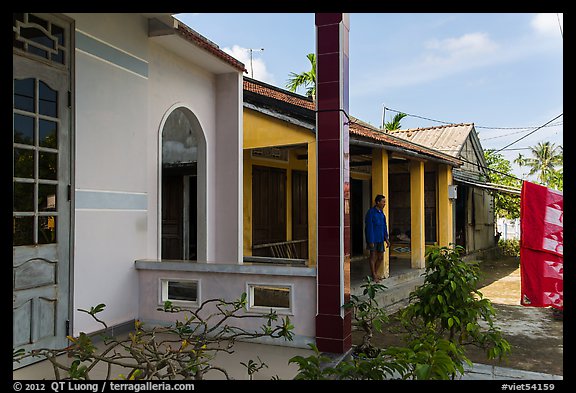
333 323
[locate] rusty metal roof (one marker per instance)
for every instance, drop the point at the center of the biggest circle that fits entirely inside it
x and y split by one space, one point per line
449 139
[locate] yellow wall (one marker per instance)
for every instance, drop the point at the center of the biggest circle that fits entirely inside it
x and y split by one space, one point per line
445 209
417 240
264 131
380 186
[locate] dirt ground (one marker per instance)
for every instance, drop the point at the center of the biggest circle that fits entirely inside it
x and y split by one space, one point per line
535 337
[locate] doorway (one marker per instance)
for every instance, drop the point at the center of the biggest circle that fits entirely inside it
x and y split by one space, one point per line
41 209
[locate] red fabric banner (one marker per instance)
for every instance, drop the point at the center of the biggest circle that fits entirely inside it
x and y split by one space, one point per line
541 246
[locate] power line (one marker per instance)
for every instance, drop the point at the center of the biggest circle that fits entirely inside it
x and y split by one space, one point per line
519 139
517 132
475 126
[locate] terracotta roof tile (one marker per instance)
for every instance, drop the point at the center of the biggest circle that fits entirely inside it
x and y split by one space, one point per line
203 42
278 94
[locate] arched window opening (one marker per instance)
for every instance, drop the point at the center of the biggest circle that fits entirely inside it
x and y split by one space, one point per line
180 154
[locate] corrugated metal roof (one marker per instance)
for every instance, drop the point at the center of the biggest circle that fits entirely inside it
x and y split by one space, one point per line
449 139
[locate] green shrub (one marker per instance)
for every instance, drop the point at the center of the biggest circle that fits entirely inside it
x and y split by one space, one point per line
510 247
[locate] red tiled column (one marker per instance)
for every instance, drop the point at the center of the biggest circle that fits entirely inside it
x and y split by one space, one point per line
333 323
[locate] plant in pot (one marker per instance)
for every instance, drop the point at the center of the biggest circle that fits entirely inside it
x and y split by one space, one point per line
367 316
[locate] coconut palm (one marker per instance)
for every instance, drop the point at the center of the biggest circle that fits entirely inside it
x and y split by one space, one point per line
395 123
305 79
545 158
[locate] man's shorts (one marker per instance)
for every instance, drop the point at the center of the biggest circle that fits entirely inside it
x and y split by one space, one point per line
377 247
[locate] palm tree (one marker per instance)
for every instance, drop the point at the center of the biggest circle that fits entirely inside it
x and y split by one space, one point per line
395 123
546 157
305 79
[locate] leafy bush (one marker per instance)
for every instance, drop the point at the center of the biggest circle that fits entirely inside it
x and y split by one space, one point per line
445 314
510 247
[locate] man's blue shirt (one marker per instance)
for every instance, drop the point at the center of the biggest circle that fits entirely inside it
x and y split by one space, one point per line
375 226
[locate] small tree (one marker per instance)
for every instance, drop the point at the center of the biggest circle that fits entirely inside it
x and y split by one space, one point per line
450 306
500 172
184 350
367 315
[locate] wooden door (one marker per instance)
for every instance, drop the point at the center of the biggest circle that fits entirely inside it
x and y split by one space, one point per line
172 216
300 212
268 207
41 179
356 218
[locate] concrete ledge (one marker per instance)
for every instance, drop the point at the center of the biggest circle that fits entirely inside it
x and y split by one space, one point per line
488 372
189 266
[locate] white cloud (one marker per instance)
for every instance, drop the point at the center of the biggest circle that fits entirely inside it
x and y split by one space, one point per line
460 51
440 59
547 24
257 66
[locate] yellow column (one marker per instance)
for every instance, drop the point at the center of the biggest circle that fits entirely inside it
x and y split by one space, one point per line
312 239
247 203
380 186
417 243
445 209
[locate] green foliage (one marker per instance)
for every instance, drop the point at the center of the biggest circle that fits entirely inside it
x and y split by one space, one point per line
395 123
545 158
378 367
509 247
305 79
367 315
445 314
253 367
184 350
310 367
449 305
505 205
430 357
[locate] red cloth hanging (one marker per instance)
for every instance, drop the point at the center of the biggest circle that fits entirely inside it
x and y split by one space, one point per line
541 246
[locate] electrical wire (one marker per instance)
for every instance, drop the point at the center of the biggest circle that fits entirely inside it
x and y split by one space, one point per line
519 139
475 126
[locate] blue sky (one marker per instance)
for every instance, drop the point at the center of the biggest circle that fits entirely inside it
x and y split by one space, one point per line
501 71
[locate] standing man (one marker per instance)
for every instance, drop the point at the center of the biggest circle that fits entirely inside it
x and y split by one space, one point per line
376 235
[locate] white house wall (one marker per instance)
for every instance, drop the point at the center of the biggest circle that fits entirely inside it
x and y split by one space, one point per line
125 85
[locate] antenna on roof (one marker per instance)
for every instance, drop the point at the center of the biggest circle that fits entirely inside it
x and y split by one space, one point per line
251 68
383 115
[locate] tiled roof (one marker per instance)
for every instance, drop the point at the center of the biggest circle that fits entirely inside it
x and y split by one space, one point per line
199 40
278 94
356 127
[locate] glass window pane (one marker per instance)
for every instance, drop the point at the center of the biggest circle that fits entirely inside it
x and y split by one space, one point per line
23 231
38 52
38 21
24 94
58 57
23 197
183 290
58 32
47 100
47 133
48 166
271 297
24 163
38 36
46 230
23 129
47 197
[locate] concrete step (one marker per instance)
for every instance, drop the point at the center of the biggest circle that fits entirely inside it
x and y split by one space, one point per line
398 288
